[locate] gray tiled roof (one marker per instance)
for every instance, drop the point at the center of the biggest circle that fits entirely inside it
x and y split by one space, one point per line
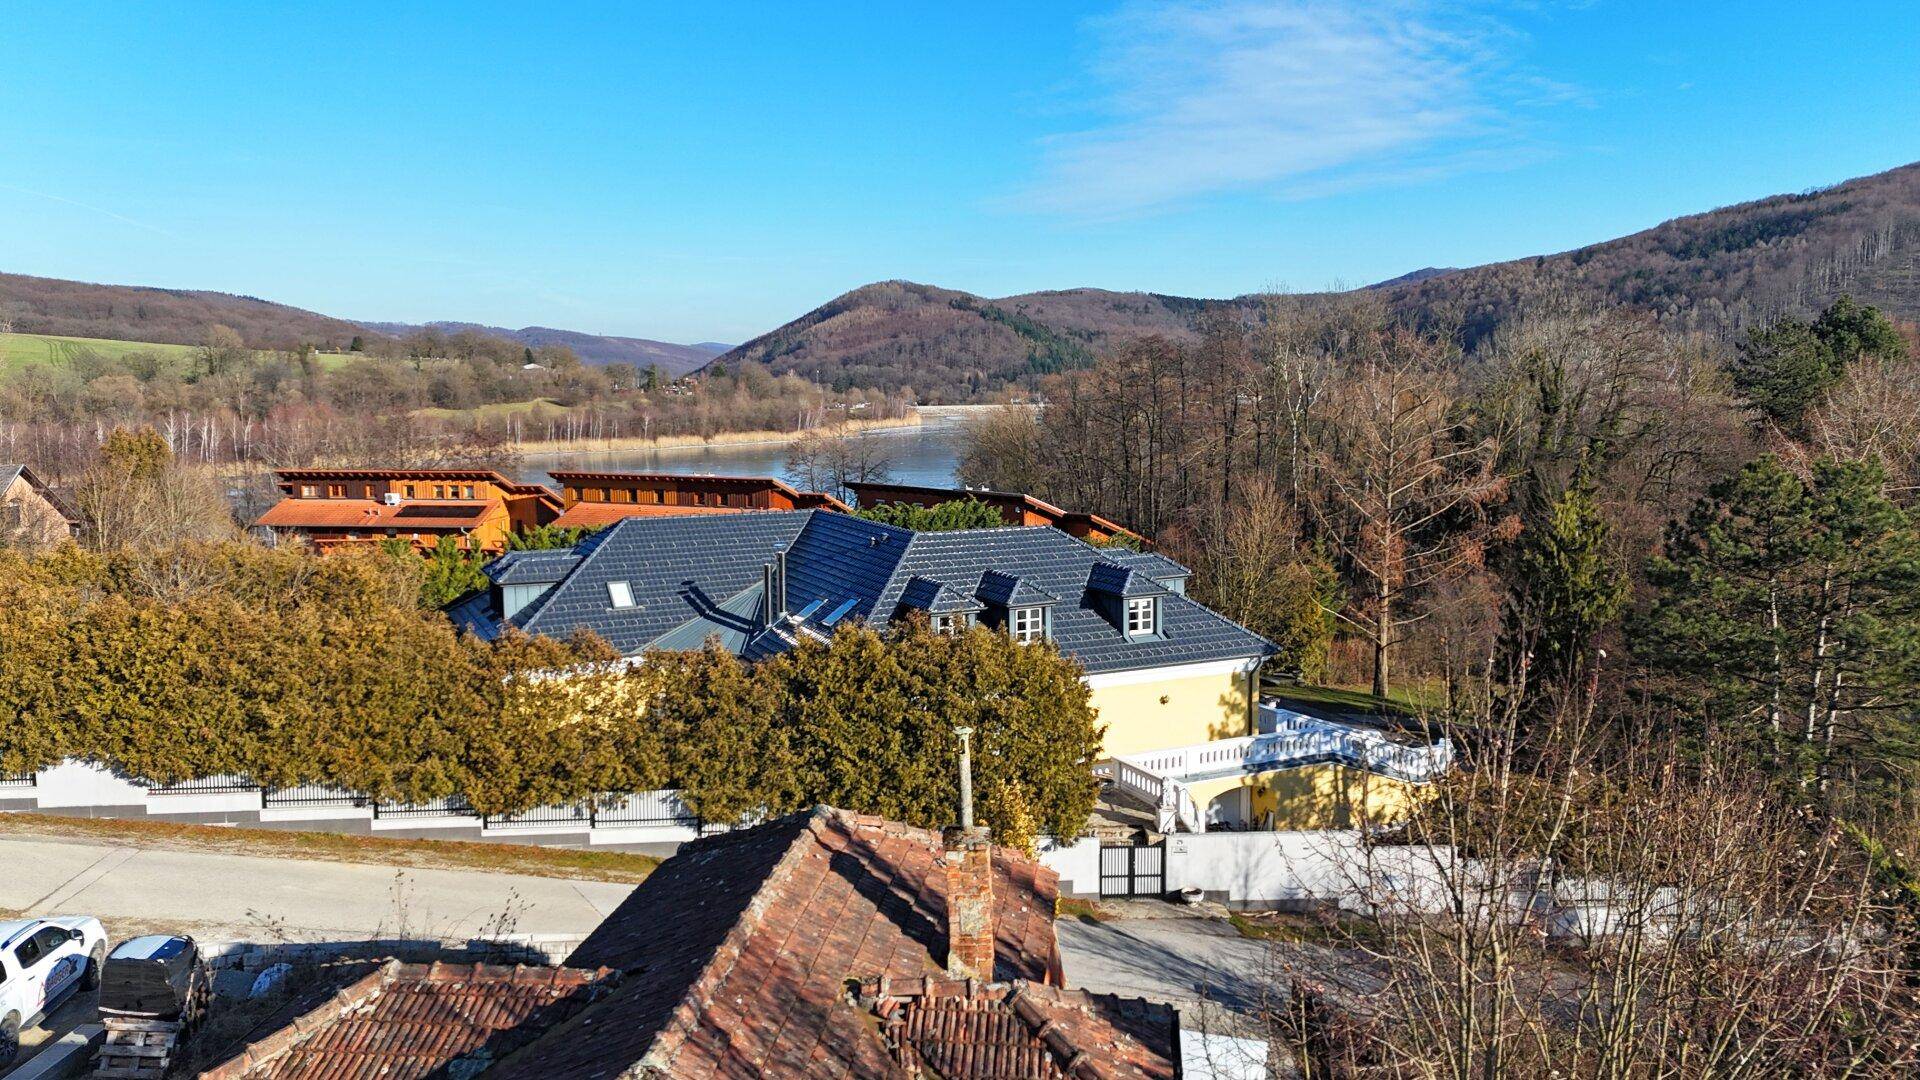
1151 563
532 567
10 473
695 576
676 567
1011 590
935 597
1122 581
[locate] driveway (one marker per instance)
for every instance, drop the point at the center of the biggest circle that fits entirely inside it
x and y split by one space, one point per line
217 895
1220 980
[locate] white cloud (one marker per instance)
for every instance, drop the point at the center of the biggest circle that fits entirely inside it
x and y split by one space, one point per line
1285 97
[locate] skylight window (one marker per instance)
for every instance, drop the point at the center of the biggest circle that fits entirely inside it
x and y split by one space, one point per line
620 594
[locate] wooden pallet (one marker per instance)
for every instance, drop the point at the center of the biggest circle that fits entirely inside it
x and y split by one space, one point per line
137 1049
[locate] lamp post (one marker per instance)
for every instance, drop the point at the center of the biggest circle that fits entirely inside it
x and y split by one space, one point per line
966 776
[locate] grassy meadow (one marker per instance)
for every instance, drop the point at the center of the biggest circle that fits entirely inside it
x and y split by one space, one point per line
18 351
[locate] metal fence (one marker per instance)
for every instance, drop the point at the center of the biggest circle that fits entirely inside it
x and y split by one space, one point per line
205 785
451 806
24 780
311 795
577 814
647 808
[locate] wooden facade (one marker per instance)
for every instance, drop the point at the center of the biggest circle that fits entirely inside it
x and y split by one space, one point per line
1015 508
593 499
479 508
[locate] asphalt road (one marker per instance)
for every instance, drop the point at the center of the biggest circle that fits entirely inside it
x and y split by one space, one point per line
215 895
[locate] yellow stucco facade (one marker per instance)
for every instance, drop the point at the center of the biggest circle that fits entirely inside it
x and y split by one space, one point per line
1326 796
1154 710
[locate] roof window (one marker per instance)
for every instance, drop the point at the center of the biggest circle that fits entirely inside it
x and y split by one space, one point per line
620 594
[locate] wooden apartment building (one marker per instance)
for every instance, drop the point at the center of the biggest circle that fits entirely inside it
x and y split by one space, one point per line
1015 509
594 499
480 508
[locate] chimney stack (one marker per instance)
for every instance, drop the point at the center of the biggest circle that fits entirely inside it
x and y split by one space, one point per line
967 853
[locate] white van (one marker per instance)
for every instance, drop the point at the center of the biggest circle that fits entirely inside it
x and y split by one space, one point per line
41 962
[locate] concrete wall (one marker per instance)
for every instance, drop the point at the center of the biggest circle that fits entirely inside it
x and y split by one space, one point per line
1279 870
82 789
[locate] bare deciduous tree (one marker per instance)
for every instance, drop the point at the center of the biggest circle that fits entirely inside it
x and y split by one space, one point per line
1399 483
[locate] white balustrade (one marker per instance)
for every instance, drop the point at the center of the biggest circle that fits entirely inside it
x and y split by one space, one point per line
1288 739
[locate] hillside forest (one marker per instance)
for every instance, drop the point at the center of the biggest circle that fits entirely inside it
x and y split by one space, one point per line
1589 512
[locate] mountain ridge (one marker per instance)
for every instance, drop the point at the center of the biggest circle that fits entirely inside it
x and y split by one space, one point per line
675 359
1715 272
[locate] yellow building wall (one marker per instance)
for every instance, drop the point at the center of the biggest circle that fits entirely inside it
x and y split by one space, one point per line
1159 715
1326 796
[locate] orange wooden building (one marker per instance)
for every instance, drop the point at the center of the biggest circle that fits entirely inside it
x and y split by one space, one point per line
1015 508
594 499
332 508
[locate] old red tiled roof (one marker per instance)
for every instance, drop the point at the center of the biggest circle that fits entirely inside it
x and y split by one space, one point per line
412 1021
741 950
593 515
373 514
960 1030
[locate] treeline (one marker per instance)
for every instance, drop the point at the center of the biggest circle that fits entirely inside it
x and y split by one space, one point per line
1587 511
399 400
225 658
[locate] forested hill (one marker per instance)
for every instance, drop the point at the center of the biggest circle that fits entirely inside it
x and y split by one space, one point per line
949 345
642 353
36 305
1715 272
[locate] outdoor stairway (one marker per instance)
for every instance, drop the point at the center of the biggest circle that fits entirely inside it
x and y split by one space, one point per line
1288 740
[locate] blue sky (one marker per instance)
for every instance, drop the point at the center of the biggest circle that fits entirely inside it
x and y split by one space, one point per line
707 171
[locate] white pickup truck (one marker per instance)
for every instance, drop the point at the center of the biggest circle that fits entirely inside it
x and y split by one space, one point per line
41 962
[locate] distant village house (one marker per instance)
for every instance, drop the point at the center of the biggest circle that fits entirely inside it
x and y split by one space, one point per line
31 515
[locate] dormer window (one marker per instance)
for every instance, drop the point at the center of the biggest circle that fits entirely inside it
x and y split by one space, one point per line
1027 624
619 594
952 623
1143 614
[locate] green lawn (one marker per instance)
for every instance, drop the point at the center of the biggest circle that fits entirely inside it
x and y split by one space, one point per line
18 351
1411 697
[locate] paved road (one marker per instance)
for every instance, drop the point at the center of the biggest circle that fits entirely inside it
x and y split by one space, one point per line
1181 960
215 894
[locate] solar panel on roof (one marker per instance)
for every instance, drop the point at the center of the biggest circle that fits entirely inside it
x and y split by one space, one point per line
837 613
806 613
441 511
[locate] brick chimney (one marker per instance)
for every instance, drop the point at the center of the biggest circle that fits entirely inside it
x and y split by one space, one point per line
967 853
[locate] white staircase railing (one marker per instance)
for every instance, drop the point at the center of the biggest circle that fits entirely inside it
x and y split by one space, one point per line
1174 808
1287 740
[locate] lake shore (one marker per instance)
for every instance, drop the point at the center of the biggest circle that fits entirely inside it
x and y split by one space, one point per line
559 447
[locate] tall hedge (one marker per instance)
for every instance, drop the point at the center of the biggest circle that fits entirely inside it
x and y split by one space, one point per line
293 669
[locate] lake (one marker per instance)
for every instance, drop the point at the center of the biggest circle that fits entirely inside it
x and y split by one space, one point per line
925 454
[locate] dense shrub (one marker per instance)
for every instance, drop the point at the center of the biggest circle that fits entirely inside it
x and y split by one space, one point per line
290 669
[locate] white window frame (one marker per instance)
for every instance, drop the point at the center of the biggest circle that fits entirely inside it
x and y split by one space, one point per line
1143 616
952 622
1027 624
620 594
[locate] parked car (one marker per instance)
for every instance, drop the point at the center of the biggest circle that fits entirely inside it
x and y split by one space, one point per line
41 962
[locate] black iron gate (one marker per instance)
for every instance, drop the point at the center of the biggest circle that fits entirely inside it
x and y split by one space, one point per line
1133 869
